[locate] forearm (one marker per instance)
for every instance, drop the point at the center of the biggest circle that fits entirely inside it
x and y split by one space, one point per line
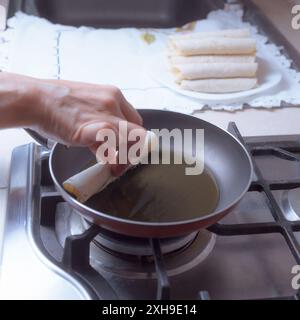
19 105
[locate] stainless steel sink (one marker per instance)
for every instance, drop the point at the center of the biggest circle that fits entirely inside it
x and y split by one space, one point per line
124 13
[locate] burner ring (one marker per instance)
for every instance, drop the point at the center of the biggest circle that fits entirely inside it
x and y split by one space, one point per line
139 246
136 267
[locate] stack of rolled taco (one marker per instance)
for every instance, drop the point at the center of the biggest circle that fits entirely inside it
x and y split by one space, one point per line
214 62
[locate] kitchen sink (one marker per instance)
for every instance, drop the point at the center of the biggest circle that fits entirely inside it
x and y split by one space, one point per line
124 13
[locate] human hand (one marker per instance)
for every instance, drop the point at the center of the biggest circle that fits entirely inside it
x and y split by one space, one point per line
73 113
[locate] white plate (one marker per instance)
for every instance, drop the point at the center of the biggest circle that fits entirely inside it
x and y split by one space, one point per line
267 75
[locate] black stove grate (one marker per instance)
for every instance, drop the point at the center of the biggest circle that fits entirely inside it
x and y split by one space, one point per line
76 250
281 225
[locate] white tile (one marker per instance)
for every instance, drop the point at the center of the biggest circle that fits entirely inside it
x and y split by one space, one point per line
256 122
9 139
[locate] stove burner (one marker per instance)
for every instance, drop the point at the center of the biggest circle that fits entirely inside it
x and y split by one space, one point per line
132 257
118 243
143 267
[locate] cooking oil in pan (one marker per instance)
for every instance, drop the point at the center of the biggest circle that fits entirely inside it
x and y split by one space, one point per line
158 193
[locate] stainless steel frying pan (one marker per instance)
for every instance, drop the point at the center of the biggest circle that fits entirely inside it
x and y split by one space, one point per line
225 157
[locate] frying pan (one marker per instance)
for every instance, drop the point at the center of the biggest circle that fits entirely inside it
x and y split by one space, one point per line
225 157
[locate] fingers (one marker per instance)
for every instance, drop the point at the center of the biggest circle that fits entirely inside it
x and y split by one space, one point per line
130 113
129 134
87 134
130 154
123 139
93 134
118 169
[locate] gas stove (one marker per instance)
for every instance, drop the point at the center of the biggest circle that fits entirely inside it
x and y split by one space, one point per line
50 252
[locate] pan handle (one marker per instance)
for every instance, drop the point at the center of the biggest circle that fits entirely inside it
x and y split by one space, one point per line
39 138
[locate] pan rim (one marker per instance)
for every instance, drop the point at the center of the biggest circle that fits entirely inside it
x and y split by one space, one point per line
82 206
